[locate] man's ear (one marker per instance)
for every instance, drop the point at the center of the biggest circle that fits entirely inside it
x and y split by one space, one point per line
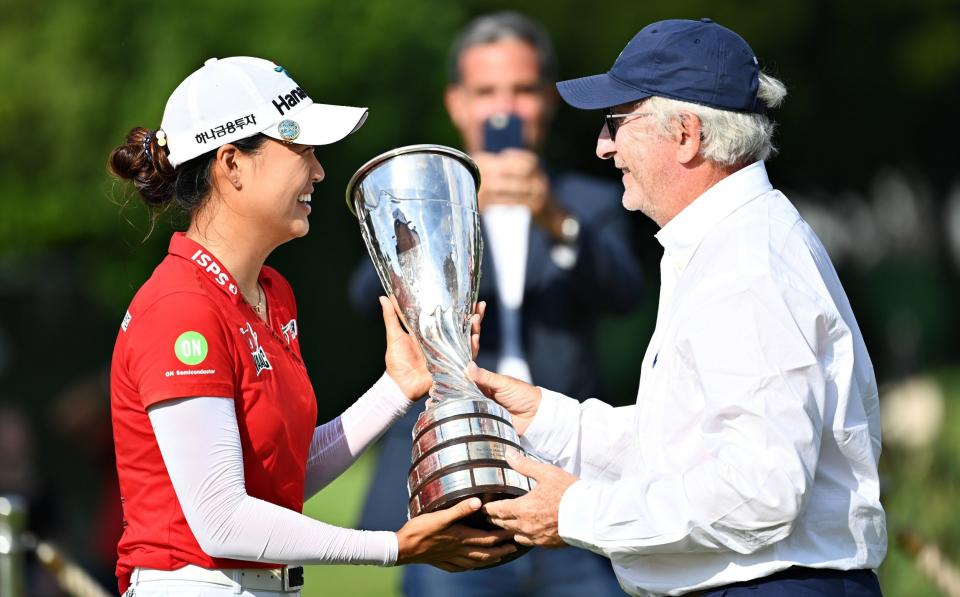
687 135
455 102
227 166
551 101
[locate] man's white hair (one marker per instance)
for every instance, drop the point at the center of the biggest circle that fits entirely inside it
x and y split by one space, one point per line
727 138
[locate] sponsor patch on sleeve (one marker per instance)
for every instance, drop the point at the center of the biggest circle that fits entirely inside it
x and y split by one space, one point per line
190 348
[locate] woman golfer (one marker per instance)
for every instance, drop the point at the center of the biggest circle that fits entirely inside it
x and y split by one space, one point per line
213 411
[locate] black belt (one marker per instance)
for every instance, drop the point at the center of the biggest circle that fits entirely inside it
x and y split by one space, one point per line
793 572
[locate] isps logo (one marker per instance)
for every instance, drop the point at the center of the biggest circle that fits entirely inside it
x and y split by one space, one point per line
210 265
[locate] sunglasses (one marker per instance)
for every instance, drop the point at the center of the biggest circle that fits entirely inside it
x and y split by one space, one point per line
613 121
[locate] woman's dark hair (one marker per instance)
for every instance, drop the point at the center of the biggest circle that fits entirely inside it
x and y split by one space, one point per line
147 167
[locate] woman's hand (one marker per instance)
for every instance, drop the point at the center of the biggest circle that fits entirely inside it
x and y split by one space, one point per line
435 539
475 320
404 359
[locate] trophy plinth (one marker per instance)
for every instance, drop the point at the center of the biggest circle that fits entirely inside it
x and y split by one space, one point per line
459 451
417 208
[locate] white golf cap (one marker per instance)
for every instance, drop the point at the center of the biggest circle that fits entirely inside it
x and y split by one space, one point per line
233 98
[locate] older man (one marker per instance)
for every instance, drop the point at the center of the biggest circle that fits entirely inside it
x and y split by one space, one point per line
748 465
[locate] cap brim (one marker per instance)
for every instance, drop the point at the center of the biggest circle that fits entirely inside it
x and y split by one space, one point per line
597 92
321 124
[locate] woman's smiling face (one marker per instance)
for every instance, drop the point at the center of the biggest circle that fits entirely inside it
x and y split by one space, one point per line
276 184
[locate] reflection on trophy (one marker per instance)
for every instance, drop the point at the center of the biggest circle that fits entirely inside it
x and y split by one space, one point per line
417 208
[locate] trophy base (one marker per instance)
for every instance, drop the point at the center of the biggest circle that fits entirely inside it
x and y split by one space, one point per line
479 520
459 451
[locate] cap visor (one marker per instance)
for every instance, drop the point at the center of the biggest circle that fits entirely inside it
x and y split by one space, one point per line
322 124
597 92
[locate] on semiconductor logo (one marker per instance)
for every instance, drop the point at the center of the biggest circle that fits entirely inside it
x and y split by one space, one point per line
190 348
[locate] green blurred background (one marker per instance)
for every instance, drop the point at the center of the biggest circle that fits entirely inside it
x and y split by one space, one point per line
868 154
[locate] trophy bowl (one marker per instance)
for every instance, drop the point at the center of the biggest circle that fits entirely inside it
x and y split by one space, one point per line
417 209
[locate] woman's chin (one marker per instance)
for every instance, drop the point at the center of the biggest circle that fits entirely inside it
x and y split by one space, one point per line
300 228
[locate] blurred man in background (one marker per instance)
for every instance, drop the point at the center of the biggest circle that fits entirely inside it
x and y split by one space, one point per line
557 257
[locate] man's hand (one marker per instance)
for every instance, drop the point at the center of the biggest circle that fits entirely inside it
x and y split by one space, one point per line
435 539
533 518
512 177
520 398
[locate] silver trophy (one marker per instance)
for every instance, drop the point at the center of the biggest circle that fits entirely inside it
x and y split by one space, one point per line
417 208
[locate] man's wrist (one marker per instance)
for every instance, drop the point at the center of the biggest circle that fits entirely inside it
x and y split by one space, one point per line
569 229
561 225
571 519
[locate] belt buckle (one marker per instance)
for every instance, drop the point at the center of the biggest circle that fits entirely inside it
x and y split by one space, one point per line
292 578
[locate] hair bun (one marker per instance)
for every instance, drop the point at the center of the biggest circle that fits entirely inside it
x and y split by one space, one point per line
142 161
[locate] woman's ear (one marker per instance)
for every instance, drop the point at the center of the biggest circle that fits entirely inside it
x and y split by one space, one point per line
227 166
455 100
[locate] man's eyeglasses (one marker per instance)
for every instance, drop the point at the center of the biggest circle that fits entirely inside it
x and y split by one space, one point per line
613 123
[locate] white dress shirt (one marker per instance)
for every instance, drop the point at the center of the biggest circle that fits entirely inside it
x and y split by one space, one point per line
754 441
508 230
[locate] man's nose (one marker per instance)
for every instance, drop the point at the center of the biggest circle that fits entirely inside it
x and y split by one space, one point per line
605 146
505 102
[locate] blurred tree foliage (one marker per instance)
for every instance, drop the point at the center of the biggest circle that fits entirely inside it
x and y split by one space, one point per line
873 83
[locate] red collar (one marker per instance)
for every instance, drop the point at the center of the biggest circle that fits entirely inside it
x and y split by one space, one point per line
181 246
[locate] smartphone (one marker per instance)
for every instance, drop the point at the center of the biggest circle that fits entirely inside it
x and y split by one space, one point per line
502 131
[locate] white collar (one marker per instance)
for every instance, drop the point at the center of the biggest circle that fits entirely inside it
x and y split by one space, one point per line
682 235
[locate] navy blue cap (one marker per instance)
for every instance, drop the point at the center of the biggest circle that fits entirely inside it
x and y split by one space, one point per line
694 61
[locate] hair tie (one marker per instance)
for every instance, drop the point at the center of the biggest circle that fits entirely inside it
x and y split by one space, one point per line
146 147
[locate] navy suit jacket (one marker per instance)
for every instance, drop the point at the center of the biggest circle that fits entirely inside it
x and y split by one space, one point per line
561 308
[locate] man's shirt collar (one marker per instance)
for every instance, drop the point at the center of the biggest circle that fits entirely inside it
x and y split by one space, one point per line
683 234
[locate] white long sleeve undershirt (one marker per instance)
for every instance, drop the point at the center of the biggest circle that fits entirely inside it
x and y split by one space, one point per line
338 443
200 443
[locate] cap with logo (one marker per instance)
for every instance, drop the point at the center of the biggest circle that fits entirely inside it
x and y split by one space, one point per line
694 61
233 98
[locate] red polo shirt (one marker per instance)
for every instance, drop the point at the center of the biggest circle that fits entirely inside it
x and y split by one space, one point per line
188 332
